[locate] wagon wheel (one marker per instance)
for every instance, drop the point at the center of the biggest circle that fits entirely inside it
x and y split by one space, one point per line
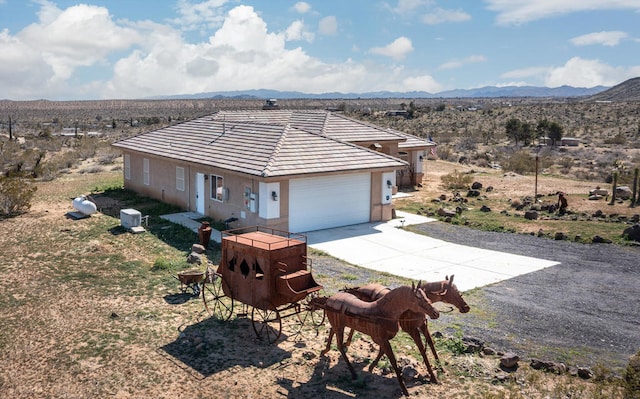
216 302
310 319
267 323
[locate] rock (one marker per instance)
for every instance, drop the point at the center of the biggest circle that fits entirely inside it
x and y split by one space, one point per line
501 377
600 240
473 193
559 236
446 212
585 373
489 351
409 372
443 197
489 189
197 248
485 208
540 233
599 192
595 197
531 215
476 185
632 233
623 192
632 378
509 360
549 366
473 345
598 214
194 258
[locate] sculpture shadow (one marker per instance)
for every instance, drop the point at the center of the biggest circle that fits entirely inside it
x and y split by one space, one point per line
210 346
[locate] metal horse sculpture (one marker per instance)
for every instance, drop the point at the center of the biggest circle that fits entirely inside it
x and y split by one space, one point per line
412 322
378 319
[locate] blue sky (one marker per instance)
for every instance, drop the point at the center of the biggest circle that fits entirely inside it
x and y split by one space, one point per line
101 49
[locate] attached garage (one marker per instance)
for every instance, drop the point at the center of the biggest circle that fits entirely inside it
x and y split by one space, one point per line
323 202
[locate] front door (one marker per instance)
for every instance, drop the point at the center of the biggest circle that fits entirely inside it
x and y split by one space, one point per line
200 193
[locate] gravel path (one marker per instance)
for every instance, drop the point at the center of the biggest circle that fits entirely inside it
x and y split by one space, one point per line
586 309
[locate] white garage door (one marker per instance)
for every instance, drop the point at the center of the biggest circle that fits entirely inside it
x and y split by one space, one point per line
323 202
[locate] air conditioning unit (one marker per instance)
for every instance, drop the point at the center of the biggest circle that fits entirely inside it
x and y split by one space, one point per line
130 218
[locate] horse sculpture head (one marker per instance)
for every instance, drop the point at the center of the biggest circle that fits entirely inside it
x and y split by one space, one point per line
448 293
424 304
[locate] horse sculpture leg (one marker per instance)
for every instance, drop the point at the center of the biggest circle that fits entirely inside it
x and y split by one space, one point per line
386 348
415 334
328 347
425 330
340 340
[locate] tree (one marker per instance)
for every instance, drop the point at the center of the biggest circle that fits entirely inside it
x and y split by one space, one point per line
512 129
526 133
555 132
542 129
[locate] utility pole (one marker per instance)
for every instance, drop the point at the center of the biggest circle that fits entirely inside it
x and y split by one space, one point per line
10 131
535 195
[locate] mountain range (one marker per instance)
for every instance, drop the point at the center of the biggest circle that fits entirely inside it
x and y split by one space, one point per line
487 92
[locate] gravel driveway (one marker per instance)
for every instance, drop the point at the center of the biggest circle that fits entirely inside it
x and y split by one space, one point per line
584 311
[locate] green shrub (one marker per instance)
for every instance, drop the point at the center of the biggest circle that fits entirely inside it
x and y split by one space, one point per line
457 180
15 195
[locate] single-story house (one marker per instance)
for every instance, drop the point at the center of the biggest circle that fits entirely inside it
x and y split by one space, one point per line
286 169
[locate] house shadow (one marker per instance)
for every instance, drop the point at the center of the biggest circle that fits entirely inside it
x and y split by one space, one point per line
210 346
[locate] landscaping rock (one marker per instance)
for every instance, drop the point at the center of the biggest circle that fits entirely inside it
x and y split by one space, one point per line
446 212
194 258
632 378
632 233
600 240
485 208
623 192
473 193
531 215
559 236
476 185
585 373
509 360
197 248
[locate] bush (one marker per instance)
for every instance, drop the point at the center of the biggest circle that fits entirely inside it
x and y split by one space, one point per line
15 195
457 180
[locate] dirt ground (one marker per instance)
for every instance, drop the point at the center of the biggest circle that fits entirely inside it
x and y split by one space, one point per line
83 317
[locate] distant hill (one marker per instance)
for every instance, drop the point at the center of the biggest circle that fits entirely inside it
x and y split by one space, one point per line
482 92
627 91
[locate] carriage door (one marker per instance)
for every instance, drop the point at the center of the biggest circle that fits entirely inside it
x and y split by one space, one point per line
200 193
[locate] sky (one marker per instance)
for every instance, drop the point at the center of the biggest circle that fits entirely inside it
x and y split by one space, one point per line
122 49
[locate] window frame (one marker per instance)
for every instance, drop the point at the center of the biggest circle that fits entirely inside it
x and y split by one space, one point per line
217 182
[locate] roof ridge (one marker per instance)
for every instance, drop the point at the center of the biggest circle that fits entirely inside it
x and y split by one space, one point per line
276 150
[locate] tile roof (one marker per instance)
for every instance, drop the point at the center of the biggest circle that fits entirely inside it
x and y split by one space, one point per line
267 148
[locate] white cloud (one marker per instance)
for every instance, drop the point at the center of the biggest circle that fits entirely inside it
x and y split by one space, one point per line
421 83
522 11
406 7
199 16
297 31
610 38
42 60
440 15
328 26
473 59
302 7
397 50
538 72
579 72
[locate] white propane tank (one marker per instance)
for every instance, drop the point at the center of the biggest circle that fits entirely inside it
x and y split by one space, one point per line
83 205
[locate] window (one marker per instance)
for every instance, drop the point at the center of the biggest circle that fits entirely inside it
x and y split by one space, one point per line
127 166
217 188
179 178
145 171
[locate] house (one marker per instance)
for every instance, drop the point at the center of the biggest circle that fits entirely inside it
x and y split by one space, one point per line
290 170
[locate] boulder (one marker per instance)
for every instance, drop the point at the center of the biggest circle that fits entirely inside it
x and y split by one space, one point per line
623 192
559 236
197 248
531 215
485 208
600 192
476 185
446 212
509 360
600 240
473 193
632 233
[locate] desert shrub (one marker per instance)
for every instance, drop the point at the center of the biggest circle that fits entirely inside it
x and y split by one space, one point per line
456 180
520 162
15 195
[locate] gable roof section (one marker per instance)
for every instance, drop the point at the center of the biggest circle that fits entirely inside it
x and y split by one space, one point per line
316 121
258 149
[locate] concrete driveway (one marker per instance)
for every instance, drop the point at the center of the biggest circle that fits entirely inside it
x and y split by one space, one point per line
386 247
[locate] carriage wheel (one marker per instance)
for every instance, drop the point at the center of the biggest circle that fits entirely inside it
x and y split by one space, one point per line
267 324
216 302
313 314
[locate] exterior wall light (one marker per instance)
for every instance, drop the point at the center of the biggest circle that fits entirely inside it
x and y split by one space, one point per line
274 195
